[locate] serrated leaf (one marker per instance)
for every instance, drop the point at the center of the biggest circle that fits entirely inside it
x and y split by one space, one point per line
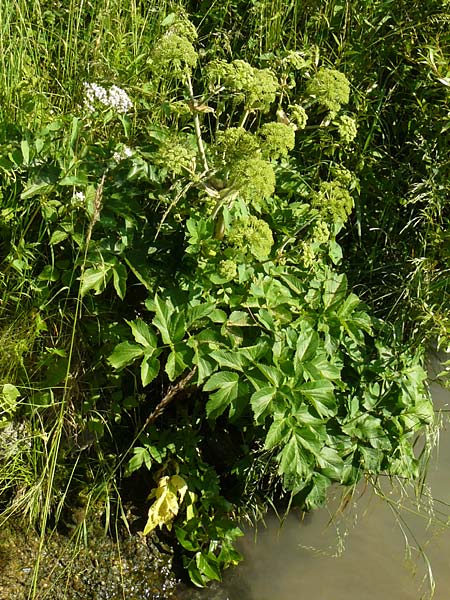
278 431
226 358
206 565
335 289
125 354
58 236
321 368
161 320
198 312
175 365
330 463
120 280
36 189
292 460
306 347
318 494
261 401
271 373
140 456
238 318
95 278
321 395
169 495
142 333
149 370
227 382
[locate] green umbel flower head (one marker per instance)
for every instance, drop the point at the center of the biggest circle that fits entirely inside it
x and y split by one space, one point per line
176 154
333 201
256 88
276 139
227 269
330 88
235 143
173 54
347 129
251 236
254 178
298 115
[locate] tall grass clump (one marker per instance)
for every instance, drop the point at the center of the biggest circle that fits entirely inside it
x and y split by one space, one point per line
188 197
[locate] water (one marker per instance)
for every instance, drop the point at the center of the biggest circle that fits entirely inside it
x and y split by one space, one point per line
373 549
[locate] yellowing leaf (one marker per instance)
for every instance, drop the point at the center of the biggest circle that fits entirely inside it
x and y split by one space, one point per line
169 496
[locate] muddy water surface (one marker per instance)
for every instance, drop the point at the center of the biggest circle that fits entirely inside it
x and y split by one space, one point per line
372 550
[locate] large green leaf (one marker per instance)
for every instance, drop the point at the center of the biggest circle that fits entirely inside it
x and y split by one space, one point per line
330 463
321 368
271 373
335 289
95 278
293 461
227 384
143 334
125 354
321 395
306 348
149 370
227 358
318 493
120 279
261 401
278 432
176 362
161 320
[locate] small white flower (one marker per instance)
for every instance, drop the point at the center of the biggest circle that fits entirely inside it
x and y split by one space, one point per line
115 97
123 154
79 196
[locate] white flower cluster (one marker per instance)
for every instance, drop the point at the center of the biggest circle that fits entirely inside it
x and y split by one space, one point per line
79 196
115 97
125 153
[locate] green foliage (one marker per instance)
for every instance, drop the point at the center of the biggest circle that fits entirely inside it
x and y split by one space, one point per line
179 247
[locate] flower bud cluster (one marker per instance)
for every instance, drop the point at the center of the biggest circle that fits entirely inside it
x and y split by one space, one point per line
347 129
176 154
256 88
333 201
276 140
173 54
251 236
254 177
330 88
115 98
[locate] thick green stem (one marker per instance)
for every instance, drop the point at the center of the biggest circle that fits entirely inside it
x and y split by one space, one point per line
198 132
